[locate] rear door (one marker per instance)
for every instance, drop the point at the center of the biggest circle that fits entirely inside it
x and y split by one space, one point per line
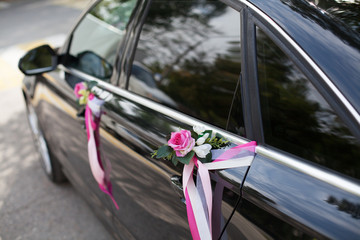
304 181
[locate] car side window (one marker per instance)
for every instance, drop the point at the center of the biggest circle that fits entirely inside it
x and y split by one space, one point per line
96 38
188 58
296 118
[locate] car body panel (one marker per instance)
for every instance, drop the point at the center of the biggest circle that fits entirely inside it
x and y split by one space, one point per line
130 131
327 34
56 108
284 203
283 196
142 185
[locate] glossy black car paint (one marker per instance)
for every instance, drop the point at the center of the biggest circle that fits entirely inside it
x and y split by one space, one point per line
327 34
276 200
321 35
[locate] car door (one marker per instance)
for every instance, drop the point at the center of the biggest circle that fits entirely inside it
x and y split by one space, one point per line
89 54
181 69
303 182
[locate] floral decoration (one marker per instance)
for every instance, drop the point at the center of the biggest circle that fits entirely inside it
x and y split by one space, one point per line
100 166
183 145
83 92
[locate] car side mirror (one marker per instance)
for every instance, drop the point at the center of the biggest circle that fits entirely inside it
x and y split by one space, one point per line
93 64
38 60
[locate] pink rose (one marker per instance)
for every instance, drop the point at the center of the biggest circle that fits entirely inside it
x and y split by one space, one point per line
181 142
91 96
79 87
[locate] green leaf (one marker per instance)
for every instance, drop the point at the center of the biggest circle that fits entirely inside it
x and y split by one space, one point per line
153 154
92 84
174 160
194 135
219 136
207 159
164 151
187 158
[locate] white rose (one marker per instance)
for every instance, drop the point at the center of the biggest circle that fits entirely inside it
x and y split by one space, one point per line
201 140
199 129
202 151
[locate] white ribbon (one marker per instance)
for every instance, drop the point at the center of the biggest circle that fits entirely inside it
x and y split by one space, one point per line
199 198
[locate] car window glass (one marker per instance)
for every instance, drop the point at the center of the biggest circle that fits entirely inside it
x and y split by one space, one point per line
94 41
188 58
296 118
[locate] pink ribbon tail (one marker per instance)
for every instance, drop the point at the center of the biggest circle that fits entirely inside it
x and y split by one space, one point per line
108 191
197 217
199 201
101 176
191 218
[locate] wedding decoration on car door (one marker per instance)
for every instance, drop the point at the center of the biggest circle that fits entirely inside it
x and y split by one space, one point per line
198 148
93 112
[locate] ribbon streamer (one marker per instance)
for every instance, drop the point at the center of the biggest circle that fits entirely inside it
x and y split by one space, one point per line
199 197
92 121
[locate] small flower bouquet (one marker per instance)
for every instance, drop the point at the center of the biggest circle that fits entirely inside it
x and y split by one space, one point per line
193 148
93 110
83 91
183 145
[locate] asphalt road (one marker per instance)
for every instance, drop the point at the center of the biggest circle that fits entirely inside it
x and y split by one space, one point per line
31 207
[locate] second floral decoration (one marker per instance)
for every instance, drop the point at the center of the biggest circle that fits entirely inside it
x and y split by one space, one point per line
183 145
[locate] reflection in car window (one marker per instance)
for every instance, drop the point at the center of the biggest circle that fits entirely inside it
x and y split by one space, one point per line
188 58
94 42
296 118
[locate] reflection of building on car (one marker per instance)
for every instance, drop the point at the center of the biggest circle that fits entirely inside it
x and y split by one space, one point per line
282 73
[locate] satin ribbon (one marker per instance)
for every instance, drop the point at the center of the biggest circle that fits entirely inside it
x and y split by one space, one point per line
218 221
199 197
100 172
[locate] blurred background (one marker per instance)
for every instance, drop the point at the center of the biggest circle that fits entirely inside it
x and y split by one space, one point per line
31 207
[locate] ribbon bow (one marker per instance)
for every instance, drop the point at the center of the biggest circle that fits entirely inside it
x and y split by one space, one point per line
199 197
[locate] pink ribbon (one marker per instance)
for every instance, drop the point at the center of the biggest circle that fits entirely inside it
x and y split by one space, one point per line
101 173
199 197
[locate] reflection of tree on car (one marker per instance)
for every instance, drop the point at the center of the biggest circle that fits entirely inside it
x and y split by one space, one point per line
345 12
297 120
143 83
191 54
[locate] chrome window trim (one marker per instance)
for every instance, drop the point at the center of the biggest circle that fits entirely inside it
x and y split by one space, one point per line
154 105
306 168
79 73
323 175
316 68
170 112
313 171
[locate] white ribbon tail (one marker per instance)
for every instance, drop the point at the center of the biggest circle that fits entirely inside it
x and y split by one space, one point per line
232 163
204 178
200 218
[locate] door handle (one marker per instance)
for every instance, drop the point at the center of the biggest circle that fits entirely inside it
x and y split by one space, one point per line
176 181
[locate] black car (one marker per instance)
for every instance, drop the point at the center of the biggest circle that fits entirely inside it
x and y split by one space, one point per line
283 73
